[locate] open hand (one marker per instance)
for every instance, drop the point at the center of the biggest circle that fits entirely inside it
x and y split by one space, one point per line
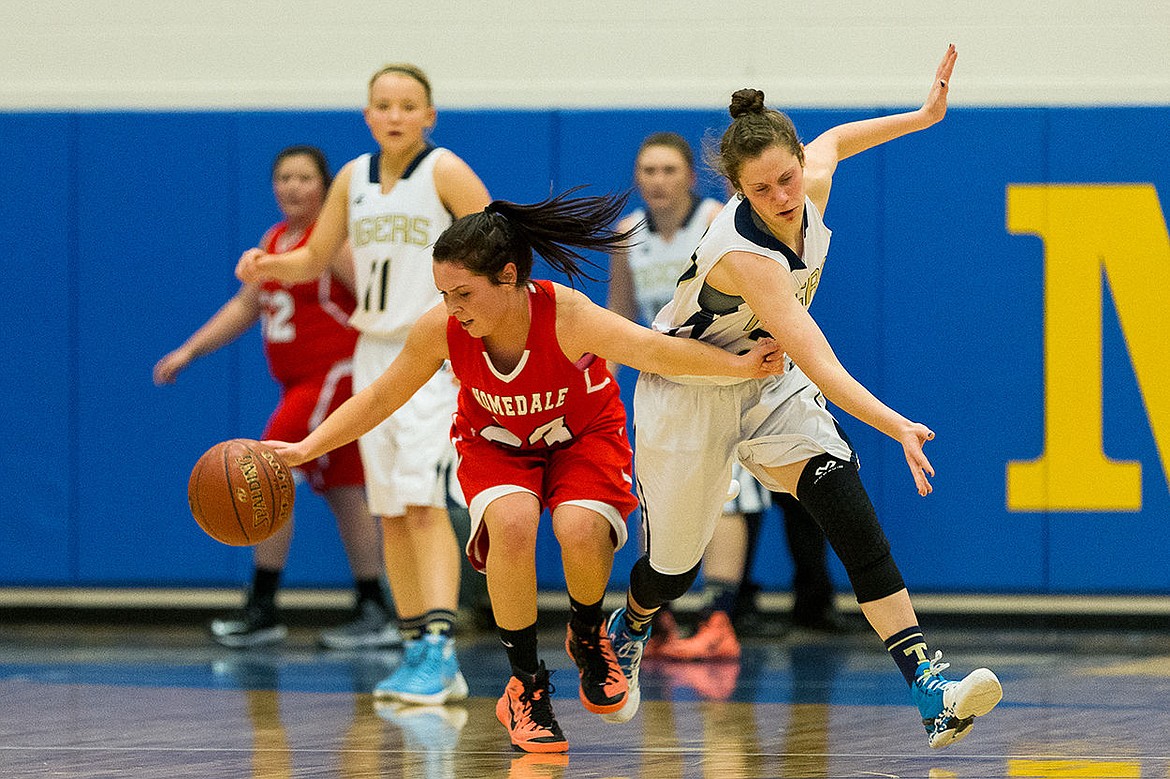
935 106
913 439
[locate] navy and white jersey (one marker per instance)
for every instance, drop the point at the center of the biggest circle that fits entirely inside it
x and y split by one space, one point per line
392 236
656 263
698 310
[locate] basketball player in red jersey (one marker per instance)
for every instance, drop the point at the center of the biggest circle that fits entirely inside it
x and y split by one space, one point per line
309 347
539 424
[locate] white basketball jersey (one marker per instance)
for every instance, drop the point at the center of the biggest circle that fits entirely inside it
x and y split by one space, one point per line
392 236
700 311
656 263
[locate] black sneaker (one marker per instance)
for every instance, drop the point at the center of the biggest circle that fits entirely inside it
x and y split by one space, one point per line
371 627
259 625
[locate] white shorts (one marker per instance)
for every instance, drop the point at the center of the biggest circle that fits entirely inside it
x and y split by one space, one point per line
752 497
408 458
688 436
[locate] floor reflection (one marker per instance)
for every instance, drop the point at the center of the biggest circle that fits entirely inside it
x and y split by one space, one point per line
81 703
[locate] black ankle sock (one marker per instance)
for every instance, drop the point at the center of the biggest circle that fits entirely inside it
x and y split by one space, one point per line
585 619
908 648
265 583
370 589
521 648
638 623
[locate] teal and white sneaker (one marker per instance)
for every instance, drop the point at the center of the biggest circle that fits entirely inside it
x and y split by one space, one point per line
429 674
413 652
949 708
628 648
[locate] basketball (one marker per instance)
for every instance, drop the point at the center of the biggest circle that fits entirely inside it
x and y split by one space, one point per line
241 492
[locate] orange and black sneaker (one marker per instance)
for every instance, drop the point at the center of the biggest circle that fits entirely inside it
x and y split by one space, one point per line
603 685
526 711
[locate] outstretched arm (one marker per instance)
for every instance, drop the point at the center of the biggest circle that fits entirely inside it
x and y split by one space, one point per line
420 358
583 326
845 140
771 296
232 320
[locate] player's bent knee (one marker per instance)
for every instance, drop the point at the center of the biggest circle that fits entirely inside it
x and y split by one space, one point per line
832 492
652 589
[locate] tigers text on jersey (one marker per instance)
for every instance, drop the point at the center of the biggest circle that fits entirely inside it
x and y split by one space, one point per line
656 264
700 311
305 325
392 235
545 400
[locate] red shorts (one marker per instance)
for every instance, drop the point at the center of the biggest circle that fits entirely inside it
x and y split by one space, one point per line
302 407
593 470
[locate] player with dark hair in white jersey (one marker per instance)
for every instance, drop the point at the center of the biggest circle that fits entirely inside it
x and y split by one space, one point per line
642 278
393 205
754 275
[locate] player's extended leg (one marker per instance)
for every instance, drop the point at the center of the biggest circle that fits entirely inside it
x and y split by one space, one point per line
587 555
832 492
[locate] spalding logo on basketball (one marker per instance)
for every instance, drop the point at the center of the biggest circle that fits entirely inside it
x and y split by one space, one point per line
241 492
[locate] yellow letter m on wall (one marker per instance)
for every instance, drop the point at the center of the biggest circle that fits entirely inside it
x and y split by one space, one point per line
1088 230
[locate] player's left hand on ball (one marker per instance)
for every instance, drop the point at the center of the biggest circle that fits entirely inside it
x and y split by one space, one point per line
290 453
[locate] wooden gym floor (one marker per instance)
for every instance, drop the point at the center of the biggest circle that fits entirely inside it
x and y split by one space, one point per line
159 702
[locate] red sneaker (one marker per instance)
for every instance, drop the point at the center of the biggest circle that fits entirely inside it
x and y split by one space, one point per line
714 640
603 685
663 632
526 711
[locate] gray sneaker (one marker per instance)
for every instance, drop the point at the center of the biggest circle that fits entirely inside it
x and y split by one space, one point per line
258 625
371 627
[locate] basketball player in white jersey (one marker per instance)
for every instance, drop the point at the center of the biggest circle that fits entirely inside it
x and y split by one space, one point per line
754 274
392 205
642 281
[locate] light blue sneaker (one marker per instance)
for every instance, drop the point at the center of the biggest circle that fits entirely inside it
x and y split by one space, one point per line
429 674
628 648
949 708
413 652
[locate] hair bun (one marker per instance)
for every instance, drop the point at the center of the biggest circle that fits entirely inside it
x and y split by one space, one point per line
746 101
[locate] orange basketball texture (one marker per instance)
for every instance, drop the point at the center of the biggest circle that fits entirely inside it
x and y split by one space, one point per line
241 492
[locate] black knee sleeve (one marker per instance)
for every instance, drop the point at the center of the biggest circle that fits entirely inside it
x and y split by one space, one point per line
652 589
831 491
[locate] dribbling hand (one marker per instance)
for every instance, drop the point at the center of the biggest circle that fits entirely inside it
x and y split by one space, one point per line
290 453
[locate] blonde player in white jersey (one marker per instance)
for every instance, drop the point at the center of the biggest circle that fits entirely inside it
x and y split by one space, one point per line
754 274
392 205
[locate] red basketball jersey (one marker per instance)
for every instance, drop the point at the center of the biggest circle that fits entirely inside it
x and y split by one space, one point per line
306 325
545 401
